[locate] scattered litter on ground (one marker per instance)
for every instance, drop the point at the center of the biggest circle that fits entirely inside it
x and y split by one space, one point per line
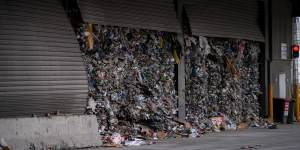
251 147
3 144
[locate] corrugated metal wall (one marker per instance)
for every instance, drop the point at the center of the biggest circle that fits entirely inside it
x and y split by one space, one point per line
156 15
281 32
296 30
219 18
41 69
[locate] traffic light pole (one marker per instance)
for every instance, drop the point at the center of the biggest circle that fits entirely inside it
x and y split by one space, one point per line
295 55
296 89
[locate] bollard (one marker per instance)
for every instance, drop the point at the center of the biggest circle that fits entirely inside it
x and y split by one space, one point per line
297 107
271 115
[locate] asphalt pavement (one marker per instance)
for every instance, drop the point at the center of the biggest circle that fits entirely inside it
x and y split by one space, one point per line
286 137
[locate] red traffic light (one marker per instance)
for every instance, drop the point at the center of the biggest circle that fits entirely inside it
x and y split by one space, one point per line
295 48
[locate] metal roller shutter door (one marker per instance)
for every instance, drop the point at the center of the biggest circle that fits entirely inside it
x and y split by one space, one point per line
41 69
219 18
156 15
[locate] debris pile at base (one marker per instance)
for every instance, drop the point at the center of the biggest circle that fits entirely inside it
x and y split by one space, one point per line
131 74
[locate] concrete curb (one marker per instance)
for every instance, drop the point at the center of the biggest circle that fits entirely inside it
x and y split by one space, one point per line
57 131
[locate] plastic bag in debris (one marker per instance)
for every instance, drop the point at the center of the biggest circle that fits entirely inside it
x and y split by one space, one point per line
135 142
114 138
3 145
194 133
91 104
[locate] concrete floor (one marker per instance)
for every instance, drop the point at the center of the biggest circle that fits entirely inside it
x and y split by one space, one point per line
286 137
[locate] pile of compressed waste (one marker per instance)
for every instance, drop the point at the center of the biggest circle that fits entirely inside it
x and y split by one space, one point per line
131 79
131 74
221 80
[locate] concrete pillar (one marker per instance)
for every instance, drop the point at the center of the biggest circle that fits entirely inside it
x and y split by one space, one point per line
181 65
181 82
266 64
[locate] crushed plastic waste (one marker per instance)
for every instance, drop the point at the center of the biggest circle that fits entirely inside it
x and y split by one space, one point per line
131 74
131 79
221 81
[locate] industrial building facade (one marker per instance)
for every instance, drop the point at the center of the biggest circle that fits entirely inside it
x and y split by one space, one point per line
42 70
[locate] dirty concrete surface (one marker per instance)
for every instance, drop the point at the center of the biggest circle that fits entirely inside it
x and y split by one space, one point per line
286 137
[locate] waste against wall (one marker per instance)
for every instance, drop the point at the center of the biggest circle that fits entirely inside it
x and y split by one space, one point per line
132 83
221 79
131 77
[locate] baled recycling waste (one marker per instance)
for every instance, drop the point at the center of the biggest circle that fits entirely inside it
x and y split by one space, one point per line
131 79
221 80
132 83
